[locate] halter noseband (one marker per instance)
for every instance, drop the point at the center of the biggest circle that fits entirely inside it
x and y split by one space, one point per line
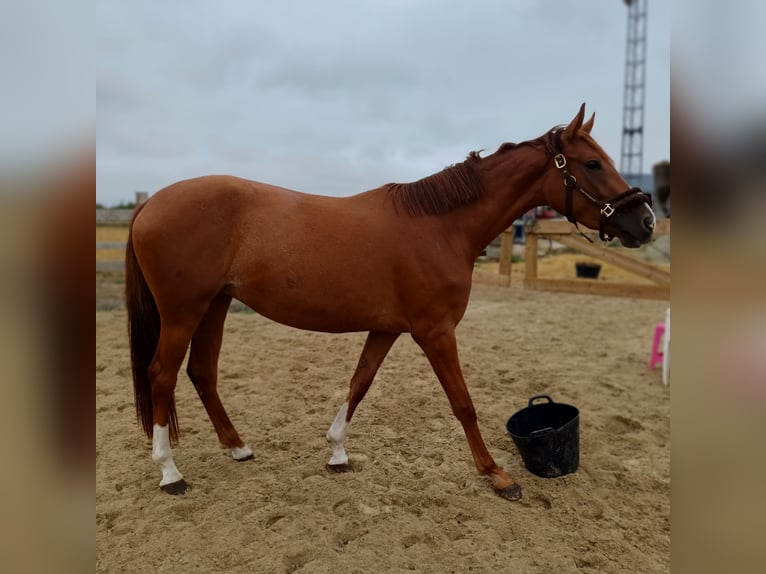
627 200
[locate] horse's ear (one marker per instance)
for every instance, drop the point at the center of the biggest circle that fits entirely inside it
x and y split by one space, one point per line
575 125
587 126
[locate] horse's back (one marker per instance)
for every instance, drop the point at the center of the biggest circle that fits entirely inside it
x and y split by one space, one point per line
213 206
212 195
268 246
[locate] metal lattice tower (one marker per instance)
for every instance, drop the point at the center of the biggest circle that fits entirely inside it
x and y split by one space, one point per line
631 160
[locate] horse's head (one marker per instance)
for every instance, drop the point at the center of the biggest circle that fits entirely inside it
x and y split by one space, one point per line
583 184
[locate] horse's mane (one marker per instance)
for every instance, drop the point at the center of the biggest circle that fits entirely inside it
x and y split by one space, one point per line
456 185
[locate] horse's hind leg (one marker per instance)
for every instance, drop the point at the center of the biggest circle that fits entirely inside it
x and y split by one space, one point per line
203 372
375 350
163 374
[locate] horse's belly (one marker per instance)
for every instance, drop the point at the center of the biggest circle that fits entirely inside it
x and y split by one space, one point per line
325 309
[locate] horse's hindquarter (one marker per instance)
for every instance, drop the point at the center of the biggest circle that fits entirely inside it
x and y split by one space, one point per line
183 239
330 264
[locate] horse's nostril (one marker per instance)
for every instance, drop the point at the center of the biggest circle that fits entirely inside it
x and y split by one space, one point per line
649 222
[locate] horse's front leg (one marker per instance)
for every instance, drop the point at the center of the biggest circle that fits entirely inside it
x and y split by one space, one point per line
440 347
375 349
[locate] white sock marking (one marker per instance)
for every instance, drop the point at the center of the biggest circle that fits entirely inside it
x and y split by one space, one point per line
163 456
337 434
238 453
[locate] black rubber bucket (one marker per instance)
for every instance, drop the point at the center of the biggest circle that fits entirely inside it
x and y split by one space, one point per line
547 435
587 270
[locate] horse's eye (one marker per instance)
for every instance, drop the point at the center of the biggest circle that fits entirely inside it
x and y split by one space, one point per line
593 164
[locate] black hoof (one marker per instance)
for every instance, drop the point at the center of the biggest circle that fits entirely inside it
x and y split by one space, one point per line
248 457
338 468
512 492
175 488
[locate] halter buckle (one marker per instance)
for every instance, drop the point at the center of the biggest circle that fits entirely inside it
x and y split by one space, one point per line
607 210
559 160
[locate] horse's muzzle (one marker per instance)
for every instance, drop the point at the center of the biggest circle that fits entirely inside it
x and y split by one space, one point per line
635 227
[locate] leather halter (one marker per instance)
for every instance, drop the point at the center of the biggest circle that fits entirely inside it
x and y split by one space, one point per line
616 206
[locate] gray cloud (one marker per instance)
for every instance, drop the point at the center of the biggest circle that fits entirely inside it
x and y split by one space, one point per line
336 97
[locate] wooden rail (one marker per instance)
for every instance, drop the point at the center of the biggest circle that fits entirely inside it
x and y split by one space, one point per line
564 233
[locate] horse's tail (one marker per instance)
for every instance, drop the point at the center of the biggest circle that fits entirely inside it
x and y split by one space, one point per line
144 334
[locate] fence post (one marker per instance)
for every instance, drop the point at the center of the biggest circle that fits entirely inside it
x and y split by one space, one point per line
506 254
530 256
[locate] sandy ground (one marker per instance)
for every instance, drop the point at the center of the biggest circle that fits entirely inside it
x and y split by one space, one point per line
415 502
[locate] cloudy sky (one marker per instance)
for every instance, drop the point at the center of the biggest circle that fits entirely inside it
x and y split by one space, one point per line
339 96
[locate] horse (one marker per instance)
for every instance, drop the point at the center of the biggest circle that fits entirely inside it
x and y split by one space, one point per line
392 260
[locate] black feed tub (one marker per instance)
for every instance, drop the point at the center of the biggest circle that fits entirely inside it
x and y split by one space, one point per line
587 270
547 435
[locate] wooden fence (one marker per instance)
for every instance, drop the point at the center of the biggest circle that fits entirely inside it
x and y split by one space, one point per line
111 218
564 233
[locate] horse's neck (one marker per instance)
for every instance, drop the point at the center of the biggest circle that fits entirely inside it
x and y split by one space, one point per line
513 186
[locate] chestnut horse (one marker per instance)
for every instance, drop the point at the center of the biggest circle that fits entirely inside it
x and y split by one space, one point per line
396 259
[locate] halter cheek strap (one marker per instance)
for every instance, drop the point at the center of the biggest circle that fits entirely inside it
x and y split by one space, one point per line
626 201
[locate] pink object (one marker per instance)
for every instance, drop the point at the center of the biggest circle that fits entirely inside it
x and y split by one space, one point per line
657 354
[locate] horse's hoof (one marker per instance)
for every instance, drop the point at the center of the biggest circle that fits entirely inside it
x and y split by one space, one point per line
175 488
244 458
240 453
512 492
338 468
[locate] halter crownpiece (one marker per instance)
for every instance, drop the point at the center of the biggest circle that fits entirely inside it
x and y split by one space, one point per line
627 200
